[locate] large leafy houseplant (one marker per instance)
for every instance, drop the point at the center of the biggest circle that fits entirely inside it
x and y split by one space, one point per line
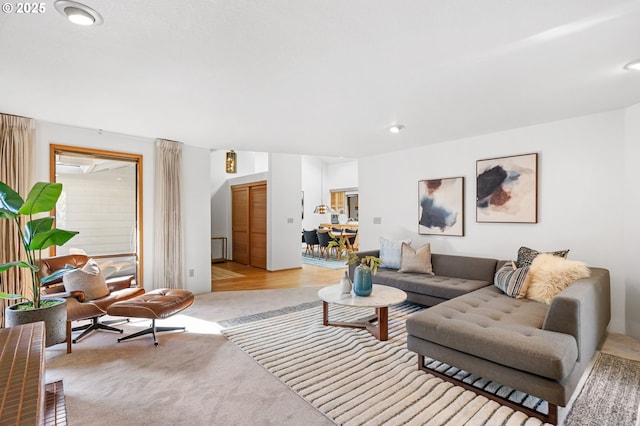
37 235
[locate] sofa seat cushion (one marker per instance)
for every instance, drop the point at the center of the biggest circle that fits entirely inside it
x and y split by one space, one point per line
488 324
430 285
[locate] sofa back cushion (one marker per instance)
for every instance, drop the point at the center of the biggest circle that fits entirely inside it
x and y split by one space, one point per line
470 268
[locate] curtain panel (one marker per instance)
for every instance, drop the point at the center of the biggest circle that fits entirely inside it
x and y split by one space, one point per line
168 259
17 166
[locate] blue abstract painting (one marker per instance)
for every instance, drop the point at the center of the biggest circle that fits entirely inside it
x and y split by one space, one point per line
441 206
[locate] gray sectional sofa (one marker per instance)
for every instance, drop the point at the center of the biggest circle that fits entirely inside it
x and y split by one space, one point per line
454 276
532 347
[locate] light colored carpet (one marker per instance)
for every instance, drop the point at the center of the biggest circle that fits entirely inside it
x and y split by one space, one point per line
192 378
357 380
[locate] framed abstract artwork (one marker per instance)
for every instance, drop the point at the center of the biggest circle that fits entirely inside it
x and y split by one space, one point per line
441 206
507 189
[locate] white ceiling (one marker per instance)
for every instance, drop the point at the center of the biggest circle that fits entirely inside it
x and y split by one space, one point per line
324 77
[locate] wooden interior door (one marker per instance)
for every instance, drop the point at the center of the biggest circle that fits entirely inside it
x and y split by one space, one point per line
249 224
240 224
258 226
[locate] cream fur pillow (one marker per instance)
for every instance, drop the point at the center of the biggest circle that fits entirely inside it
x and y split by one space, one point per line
549 275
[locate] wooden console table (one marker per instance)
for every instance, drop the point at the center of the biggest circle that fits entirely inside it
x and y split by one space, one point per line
22 374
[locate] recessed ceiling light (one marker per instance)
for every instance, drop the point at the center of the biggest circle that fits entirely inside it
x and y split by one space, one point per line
78 13
633 66
396 128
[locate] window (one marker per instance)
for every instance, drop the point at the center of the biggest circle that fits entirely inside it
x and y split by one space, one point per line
101 199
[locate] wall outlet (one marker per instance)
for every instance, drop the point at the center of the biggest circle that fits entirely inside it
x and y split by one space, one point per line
192 273
377 220
289 220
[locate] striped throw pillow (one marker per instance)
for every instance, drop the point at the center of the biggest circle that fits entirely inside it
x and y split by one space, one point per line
510 279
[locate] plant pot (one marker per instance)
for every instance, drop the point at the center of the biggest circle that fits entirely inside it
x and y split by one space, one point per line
362 281
54 317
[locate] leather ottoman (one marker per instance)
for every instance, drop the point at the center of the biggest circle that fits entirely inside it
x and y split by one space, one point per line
156 304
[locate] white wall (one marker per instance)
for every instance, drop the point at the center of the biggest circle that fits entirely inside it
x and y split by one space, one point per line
312 172
196 218
284 212
341 175
220 207
580 195
48 133
632 230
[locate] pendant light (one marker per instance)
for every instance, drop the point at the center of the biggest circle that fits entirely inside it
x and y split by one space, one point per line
231 162
322 208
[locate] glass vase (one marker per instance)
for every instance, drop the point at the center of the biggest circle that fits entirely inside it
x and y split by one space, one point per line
362 283
345 284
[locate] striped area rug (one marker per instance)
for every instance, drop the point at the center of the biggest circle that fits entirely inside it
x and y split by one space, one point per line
355 379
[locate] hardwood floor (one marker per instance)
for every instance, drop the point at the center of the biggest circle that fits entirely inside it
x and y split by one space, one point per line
259 279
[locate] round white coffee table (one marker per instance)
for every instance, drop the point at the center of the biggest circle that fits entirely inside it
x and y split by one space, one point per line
381 298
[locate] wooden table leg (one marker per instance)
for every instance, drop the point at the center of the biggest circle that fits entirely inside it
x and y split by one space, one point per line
383 323
380 330
325 313
68 332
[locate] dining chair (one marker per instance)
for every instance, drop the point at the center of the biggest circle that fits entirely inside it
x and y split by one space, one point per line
311 239
324 238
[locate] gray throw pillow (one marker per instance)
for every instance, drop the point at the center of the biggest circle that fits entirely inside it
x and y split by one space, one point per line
526 255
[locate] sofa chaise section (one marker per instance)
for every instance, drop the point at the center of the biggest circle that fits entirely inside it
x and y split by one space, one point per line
539 349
